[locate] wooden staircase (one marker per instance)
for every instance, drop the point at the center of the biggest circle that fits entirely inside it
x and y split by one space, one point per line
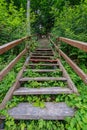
44 57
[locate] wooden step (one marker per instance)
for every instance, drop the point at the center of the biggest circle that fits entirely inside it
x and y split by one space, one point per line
39 91
43 60
44 70
41 57
41 49
45 52
43 64
43 79
42 54
51 111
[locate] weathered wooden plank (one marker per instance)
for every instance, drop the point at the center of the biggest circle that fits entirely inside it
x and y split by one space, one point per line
43 64
11 64
39 91
43 60
42 54
10 45
44 70
41 57
78 44
16 85
43 49
43 79
52 111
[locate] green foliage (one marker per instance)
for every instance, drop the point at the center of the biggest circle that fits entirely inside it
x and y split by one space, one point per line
71 23
30 73
12 22
43 17
33 44
7 82
80 103
35 84
39 103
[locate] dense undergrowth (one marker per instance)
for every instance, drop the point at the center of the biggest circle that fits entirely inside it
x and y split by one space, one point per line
71 23
9 79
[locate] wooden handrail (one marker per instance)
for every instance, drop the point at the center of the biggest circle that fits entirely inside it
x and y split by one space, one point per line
11 64
10 45
7 47
80 72
75 43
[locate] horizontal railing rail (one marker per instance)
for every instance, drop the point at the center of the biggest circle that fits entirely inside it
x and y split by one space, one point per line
9 46
78 44
12 44
74 43
74 66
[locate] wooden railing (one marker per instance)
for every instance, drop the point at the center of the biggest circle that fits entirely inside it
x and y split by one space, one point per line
74 43
78 44
12 44
7 47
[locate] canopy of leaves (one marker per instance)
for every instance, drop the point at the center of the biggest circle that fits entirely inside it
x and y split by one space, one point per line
43 14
